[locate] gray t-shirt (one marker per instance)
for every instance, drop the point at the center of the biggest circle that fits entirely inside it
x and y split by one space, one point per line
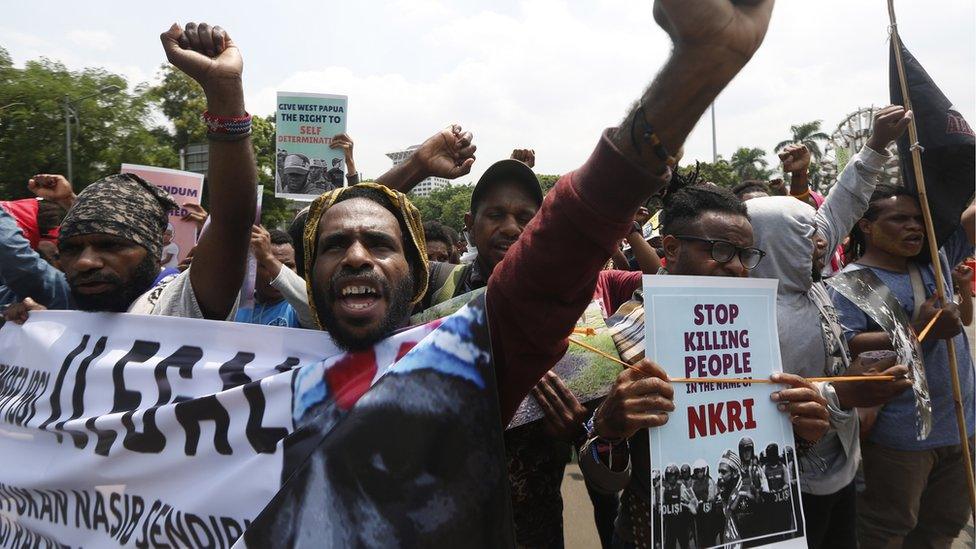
172 296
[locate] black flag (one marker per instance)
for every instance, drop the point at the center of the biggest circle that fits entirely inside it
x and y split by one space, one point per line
947 141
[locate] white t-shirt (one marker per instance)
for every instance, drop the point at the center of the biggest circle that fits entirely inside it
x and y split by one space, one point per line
173 251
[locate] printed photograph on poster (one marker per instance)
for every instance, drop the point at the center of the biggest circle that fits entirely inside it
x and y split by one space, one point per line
724 469
305 164
180 235
864 289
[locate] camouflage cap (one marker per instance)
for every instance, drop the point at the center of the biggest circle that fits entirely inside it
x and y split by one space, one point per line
123 205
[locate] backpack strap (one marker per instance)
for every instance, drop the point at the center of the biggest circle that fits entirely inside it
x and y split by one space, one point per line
918 289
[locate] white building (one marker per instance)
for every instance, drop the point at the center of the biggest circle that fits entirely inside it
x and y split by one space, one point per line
425 187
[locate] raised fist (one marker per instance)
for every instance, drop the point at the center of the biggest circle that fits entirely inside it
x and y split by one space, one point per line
449 153
53 187
735 27
795 158
889 123
206 54
525 156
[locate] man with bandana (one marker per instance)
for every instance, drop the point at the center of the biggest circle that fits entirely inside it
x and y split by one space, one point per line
110 240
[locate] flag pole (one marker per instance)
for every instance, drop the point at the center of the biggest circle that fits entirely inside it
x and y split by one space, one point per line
923 201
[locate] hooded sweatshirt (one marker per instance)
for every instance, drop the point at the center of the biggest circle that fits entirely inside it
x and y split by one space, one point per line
810 337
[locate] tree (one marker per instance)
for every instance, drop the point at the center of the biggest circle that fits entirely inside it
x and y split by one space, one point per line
808 134
447 205
749 163
719 172
547 182
182 101
112 127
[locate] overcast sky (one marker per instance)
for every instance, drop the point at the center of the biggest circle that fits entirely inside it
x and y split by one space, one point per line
542 74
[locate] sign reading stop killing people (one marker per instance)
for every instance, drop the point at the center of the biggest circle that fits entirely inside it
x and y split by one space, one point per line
180 235
305 164
724 470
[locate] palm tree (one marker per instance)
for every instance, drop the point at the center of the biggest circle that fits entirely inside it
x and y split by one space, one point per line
807 134
749 163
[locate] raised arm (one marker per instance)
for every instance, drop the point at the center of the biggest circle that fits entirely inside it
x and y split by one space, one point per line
796 162
449 153
537 293
645 254
848 200
208 55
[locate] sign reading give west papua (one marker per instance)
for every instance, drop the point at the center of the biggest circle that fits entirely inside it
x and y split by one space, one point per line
127 430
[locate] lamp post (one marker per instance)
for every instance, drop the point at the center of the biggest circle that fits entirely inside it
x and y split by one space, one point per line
69 111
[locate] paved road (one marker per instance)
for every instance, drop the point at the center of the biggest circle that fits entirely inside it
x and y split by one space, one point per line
580 533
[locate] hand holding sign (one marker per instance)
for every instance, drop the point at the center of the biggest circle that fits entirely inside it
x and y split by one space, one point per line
564 415
802 401
866 394
18 312
641 398
208 55
195 214
946 326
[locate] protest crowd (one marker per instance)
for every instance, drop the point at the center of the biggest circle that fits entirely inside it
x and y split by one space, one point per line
360 262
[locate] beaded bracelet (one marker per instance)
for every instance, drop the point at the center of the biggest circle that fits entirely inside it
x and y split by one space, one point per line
801 196
648 136
227 128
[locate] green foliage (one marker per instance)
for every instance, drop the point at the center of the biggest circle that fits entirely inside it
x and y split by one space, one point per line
113 127
720 172
808 134
750 163
447 205
181 100
547 182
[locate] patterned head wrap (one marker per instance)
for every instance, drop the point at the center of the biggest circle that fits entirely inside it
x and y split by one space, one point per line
123 205
405 212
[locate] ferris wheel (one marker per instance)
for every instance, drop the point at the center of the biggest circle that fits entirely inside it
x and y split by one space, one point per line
851 134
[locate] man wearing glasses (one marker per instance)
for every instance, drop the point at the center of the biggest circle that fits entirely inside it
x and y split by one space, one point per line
707 232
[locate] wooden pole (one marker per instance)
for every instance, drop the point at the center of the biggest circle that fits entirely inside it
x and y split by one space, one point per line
934 252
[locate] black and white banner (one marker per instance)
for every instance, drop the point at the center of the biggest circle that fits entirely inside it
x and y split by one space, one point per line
126 430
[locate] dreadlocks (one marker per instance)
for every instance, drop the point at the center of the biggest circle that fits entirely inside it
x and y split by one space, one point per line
688 197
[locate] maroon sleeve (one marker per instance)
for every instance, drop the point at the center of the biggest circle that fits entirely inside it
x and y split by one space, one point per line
615 287
547 278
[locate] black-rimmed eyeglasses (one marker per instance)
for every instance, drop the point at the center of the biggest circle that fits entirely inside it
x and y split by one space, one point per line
723 251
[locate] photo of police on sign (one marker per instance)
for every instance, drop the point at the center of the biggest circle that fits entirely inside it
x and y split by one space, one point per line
309 161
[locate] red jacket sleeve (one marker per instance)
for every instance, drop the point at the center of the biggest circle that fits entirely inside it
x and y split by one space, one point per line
547 278
615 287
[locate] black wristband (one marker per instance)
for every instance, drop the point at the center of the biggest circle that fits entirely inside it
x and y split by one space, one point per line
638 229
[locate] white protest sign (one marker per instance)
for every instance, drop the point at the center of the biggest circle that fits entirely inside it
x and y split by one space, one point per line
724 467
120 429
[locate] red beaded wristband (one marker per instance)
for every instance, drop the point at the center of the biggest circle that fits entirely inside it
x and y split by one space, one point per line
230 125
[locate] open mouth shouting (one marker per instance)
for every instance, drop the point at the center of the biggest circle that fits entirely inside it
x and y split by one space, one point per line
359 299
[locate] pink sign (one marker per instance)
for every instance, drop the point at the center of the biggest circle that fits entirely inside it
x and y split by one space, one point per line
180 236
